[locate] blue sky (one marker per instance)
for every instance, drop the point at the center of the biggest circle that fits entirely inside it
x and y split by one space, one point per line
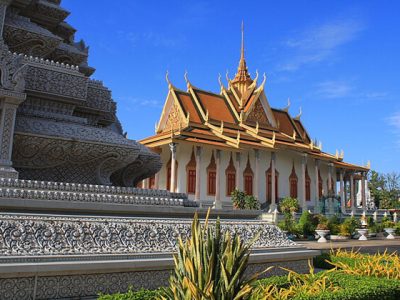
337 60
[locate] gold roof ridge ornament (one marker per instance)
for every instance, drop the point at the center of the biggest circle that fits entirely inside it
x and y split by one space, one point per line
287 106
264 80
254 83
170 86
369 164
227 76
220 83
188 84
341 156
297 118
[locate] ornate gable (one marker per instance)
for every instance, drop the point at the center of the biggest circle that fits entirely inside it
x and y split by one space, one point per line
172 116
174 119
258 114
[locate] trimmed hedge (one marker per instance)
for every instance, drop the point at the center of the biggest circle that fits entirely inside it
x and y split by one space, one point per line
132 295
352 287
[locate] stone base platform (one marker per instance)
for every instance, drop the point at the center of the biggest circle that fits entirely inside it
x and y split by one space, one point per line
76 257
85 278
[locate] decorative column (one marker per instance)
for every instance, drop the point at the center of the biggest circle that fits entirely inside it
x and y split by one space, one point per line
352 194
342 193
12 86
363 198
197 195
8 111
330 187
256 175
239 177
316 203
172 147
303 182
273 205
217 202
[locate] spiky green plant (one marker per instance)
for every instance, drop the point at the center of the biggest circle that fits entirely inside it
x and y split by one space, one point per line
210 265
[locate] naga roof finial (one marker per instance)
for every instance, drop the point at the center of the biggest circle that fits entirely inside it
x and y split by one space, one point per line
167 79
288 105
299 115
188 84
220 82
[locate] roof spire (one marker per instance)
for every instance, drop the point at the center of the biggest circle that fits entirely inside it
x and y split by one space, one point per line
242 74
242 50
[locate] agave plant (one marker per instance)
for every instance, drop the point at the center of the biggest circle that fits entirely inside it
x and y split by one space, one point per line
210 265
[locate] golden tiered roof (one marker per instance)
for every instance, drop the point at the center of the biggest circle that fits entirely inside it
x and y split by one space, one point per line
237 118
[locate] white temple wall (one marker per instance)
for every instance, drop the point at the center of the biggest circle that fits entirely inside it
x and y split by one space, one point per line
284 163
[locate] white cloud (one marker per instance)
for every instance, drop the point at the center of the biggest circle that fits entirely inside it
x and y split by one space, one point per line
151 38
319 43
334 89
131 102
394 122
341 89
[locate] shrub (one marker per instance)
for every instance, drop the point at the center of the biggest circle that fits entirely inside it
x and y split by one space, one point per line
333 224
322 261
340 286
238 198
132 295
297 286
305 226
210 265
319 219
289 205
348 227
378 265
251 202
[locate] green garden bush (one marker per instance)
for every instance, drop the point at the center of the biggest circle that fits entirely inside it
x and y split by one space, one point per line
305 225
132 295
350 287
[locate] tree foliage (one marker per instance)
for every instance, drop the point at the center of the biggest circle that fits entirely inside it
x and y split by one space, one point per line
385 189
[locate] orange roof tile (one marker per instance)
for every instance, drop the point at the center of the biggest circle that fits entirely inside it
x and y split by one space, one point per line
215 105
188 105
302 130
285 121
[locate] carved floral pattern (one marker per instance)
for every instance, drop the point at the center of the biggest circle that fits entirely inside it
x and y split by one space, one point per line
174 118
48 235
258 114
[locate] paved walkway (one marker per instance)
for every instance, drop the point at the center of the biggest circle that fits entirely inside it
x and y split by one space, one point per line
371 246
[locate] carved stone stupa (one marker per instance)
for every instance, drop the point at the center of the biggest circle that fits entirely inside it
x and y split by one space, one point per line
57 124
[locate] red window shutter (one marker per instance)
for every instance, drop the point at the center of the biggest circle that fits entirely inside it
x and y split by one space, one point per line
308 190
248 184
211 182
191 181
231 183
293 188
